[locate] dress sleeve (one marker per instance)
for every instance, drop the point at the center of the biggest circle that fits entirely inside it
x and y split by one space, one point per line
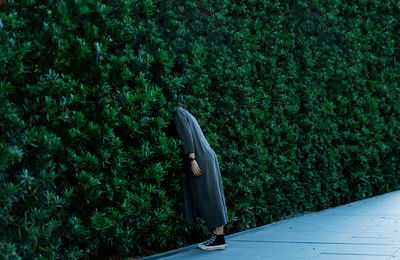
184 131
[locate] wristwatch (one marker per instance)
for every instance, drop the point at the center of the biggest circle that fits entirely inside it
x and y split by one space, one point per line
191 159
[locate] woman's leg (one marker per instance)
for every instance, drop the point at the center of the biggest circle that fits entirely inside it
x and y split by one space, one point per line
219 230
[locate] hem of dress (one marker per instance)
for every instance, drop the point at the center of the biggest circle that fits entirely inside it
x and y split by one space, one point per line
218 225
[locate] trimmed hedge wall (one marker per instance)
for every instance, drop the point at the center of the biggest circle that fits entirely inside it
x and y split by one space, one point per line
300 100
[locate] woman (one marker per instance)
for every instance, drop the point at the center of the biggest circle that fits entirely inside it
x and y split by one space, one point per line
203 191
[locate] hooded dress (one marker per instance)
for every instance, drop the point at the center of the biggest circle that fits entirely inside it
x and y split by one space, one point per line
203 195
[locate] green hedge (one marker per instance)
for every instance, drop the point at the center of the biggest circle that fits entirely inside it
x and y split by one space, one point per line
300 100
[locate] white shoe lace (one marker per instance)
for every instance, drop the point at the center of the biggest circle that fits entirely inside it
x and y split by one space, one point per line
211 240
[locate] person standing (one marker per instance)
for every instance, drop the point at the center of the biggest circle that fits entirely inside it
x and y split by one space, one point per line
203 190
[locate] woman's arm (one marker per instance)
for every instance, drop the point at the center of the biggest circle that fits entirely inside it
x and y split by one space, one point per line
184 132
195 167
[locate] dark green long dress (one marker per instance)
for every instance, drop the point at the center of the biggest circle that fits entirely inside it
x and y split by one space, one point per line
203 195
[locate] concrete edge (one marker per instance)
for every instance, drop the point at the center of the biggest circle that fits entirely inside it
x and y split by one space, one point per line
171 252
227 237
256 229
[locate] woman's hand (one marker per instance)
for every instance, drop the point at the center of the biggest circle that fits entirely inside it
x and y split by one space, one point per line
195 168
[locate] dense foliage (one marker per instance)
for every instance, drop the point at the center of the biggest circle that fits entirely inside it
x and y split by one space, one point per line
299 99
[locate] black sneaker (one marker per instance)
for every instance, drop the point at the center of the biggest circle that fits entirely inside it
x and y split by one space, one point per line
214 243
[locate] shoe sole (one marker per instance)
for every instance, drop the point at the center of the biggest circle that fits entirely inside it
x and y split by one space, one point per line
212 247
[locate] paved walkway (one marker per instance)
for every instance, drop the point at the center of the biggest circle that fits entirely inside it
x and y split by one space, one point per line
363 230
